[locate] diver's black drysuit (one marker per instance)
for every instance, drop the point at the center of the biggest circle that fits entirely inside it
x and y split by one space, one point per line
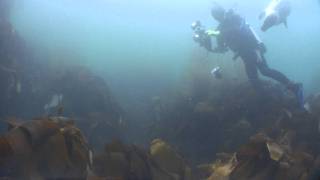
238 36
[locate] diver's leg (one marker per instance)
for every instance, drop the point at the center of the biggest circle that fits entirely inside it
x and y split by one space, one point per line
251 69
296 88
274 74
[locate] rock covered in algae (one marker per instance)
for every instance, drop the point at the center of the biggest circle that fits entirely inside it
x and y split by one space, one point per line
264 159
221 121
119 161
222 168
275 151
284 152
165 156
47 150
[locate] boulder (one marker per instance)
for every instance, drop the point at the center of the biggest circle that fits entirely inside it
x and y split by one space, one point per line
43 148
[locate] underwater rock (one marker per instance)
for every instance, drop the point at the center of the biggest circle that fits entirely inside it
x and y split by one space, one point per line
100 128
227 116
12 57
203 171
33 88
54 102
74 92
312 106
120 161
43 148
222 168
83 93
17 71
264 158
113 165
169 160
275 151
282 152
88 98
254 161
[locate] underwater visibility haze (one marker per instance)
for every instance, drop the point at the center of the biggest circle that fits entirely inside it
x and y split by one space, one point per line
134 42
124 89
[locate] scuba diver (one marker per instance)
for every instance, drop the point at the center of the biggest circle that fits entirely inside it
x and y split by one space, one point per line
235 34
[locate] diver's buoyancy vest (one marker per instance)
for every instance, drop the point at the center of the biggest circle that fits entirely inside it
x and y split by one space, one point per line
237 34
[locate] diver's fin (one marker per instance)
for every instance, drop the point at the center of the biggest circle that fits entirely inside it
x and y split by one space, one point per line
263 14
285 23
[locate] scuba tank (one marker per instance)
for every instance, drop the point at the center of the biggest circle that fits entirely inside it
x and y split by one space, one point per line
254 38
